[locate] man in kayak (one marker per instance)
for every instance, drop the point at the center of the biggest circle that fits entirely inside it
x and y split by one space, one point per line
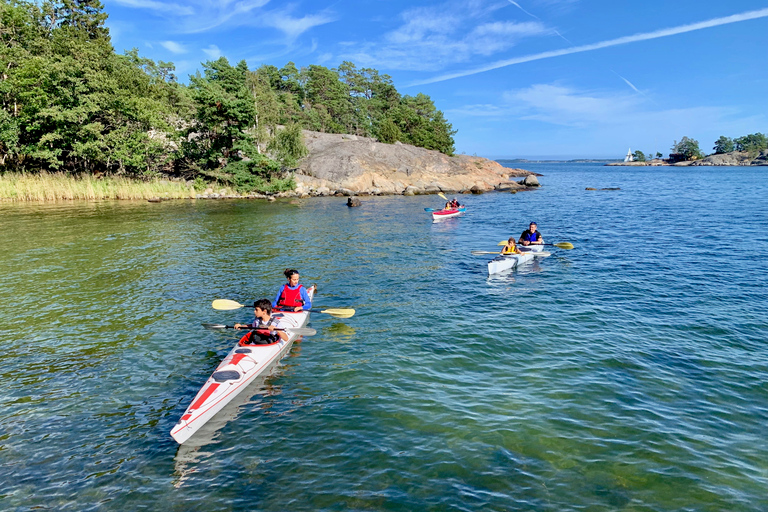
264 326
511 247
292 296
530 236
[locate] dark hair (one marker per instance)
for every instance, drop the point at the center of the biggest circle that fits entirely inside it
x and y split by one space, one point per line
533 224
289 272
263 304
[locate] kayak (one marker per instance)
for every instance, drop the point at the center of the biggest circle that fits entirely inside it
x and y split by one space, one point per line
530 248
447 214
507 261
240 367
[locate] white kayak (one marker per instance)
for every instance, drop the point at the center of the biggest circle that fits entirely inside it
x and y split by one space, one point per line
447 214
507 261
530 248
237 370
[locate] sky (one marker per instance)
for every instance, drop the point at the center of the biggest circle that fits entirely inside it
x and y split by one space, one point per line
535 79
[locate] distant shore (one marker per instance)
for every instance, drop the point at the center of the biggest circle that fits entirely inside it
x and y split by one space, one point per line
734 158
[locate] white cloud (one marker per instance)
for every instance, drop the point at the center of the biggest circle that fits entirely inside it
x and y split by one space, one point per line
212 51
157 6
173 47
716 22
431 38
294 27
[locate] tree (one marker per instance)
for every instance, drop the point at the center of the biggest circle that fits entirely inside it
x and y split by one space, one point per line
288 145
658 154
724 145
689 148
638 156
225 109
753 143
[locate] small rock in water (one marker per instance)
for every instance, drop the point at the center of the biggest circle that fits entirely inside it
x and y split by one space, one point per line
353 201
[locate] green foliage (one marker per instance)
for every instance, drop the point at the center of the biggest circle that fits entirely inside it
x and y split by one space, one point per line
689 148
389 132
257 174
69 103
224 109
288 146
724 145
753 143
638 156
659 155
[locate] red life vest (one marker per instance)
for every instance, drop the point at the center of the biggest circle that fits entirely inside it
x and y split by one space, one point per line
262 336
290 298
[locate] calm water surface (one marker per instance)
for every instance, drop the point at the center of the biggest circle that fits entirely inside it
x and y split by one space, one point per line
630 373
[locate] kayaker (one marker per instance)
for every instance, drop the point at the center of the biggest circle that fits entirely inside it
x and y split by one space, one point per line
530 236
511 247
263 326
292 296
448 206
454 203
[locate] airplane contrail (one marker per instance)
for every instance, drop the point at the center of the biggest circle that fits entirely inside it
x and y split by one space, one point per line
715 22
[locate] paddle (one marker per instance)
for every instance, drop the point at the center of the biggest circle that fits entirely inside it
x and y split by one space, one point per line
540 254
226 305
302 331
431 210
442 195
562 245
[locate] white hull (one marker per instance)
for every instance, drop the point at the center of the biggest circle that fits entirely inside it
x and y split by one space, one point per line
505 262
236 371
448 214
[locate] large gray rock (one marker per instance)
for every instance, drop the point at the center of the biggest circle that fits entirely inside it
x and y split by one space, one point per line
361 165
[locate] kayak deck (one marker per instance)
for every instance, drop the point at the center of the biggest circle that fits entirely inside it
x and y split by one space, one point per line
507 261
447 214
237 370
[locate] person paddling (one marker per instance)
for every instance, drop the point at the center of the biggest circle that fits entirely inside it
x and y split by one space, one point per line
292 296
530 236
264 326
511 247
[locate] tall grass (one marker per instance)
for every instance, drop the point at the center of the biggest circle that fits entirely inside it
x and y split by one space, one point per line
60 187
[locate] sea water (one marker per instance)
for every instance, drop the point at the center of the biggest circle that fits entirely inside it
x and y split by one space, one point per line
630 373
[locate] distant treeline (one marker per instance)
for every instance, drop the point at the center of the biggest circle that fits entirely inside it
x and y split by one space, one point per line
689 149
70 103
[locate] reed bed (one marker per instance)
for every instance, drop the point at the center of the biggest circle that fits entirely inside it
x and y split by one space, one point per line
52 187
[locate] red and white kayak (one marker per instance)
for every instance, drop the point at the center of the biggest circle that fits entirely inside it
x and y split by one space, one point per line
447 214
242 366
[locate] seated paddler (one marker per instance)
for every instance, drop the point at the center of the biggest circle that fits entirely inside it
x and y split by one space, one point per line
292 296
264 327
511 247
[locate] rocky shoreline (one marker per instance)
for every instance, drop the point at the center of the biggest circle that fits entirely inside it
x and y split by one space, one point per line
347 165
735 158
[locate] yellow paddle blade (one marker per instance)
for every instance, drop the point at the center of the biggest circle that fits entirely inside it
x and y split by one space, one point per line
503 242
226 304
564 245
339 312
442 195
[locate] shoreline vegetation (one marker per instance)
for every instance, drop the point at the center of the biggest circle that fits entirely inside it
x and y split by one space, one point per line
70 104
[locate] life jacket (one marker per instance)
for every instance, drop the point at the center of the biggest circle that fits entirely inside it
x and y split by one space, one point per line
262 336
530 237
289 299
515 250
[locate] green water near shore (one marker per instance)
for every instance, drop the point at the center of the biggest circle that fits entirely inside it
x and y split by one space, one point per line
627 374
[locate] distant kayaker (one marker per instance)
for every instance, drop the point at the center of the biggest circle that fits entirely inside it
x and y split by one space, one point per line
264 325
454 203
511 247
530 236
292 296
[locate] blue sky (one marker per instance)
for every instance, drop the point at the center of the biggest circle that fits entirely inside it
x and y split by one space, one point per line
517 79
